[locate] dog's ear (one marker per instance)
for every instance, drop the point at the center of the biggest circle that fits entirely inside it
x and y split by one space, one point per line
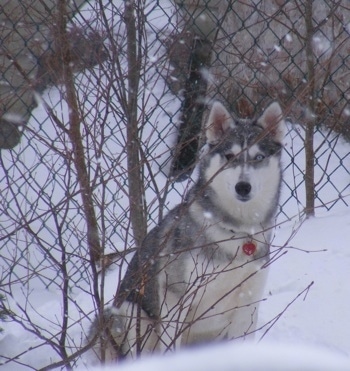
219 121
272 121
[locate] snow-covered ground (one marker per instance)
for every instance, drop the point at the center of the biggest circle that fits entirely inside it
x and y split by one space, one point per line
306 311
242 357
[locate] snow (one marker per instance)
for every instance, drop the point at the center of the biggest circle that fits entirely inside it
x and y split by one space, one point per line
289 38
304 315
242 357
316 264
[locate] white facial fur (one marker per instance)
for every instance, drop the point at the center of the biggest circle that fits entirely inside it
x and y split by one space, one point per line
264 181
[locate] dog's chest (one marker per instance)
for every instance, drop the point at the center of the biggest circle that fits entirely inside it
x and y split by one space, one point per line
221 271
220 291
214 279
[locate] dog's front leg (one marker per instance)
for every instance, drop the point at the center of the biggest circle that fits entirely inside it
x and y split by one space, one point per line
173 322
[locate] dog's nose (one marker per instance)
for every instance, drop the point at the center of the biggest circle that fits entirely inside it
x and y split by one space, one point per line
243 188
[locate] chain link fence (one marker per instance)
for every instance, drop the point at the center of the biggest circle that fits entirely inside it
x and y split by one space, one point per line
101 111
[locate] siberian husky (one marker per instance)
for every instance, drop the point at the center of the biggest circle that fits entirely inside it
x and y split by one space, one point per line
199 275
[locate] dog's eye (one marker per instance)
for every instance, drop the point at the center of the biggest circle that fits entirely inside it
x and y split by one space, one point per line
259 157
230 157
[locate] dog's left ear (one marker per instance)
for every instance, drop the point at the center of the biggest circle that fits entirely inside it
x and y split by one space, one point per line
272 121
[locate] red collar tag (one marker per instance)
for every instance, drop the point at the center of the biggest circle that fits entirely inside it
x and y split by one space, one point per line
249 248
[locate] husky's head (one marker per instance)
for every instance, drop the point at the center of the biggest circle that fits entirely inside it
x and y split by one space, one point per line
242 167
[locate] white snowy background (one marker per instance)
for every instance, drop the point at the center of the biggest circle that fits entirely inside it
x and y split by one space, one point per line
305 314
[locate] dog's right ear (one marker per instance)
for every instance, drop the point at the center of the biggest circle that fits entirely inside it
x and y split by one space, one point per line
219 121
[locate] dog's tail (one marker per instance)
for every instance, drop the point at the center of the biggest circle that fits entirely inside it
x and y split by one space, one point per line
193 107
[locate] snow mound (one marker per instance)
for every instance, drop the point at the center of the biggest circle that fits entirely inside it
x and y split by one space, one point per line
242 357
